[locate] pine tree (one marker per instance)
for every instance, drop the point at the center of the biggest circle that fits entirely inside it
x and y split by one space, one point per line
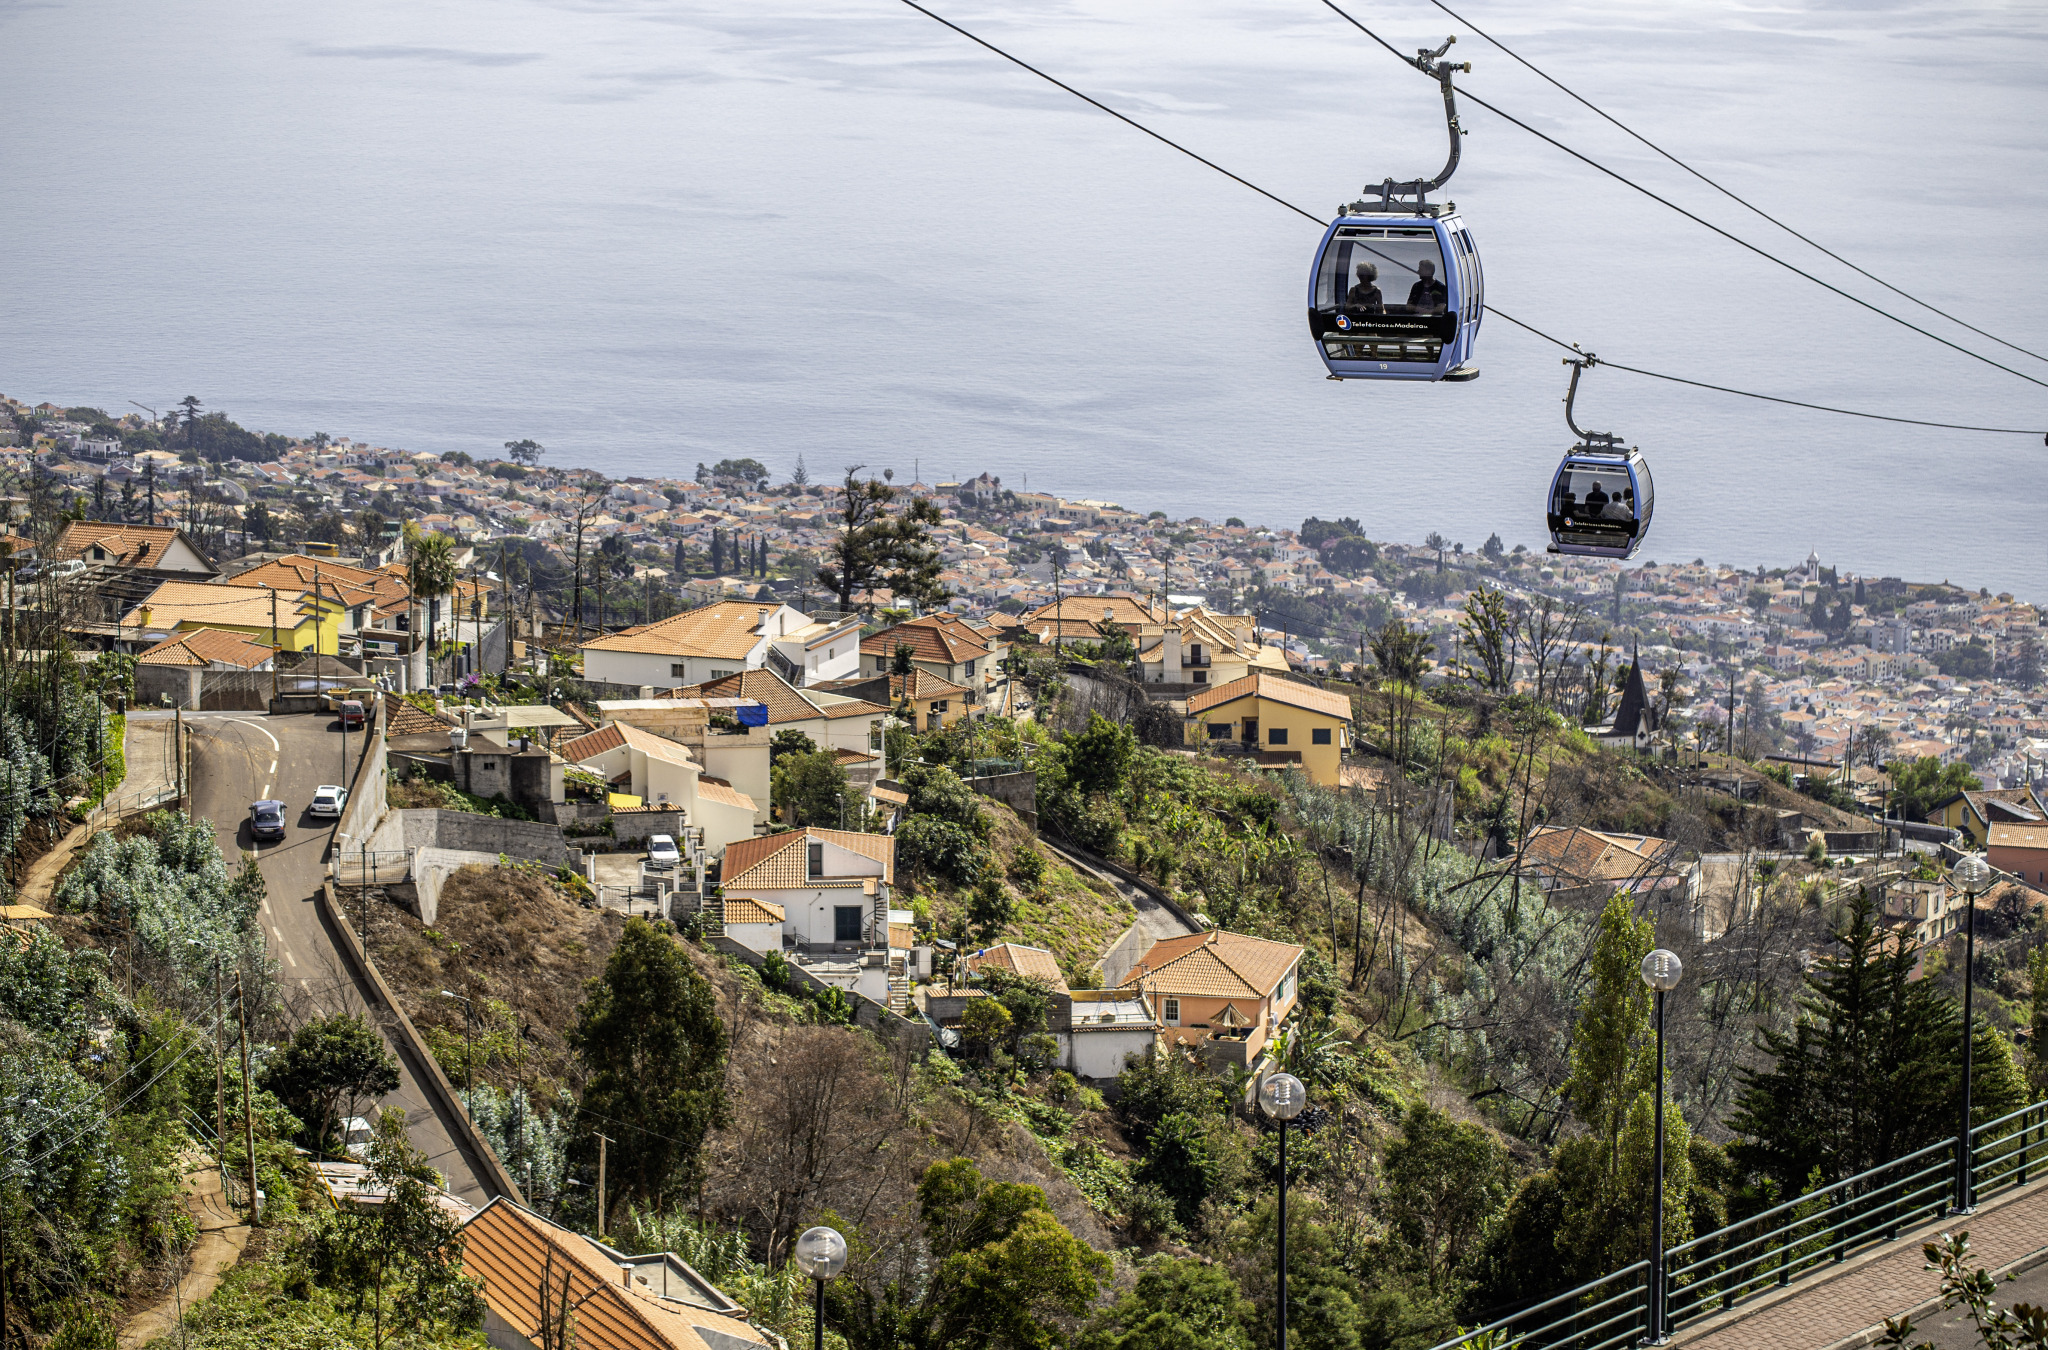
1871 1071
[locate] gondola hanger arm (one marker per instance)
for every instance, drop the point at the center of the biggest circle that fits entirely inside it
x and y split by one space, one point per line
1432 64
1579 364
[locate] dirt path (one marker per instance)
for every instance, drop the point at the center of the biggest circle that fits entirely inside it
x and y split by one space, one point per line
222 1236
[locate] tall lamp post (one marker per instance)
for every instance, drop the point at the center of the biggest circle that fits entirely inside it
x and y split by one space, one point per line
1973 874
468 1056
820 1254
1283 1097
1661 971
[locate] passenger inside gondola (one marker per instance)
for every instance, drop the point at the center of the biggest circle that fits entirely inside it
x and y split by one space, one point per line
1428 295
1365 296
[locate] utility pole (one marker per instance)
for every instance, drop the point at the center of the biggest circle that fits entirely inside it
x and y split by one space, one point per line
602 1143
220 1073
178 747
248 1113
273 646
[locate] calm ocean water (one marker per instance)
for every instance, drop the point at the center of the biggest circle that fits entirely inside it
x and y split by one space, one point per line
653 232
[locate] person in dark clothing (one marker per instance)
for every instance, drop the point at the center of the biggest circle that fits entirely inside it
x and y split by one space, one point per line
1427 295
1596 502
1366 294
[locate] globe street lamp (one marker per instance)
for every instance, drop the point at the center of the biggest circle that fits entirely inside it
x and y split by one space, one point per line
1973 874
1661 971
820 1254
1283 1097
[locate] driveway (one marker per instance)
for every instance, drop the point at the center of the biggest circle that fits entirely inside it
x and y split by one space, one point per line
238 758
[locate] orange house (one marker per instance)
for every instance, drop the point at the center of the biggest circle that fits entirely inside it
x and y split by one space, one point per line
1224 994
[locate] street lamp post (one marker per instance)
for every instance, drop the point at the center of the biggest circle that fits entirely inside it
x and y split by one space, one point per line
1661 970
1283 1097
468 1055
820 1254
1973 874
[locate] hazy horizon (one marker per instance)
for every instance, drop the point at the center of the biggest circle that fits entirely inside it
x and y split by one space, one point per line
655 232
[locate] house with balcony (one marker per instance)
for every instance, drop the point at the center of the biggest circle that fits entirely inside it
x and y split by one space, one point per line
1222 995
831 889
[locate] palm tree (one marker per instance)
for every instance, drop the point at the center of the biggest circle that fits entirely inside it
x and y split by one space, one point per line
430 571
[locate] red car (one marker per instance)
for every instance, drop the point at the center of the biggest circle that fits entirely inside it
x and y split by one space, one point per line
351 713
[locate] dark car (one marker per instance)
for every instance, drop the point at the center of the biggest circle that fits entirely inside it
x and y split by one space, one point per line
266 820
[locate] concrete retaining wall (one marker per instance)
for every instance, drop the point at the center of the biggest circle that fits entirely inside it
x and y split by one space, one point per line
1124 954
1018 791
366 797
520 840
446 1102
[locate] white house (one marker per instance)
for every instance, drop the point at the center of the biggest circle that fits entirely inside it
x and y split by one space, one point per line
722 639
662 771
832 889
832 721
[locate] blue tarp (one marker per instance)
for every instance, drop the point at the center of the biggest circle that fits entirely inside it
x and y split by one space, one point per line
752 714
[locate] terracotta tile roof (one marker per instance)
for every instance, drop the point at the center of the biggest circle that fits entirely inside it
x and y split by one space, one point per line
853 707
1214 964
890 795
653 746
2002 835
592 744
765 687
939 638
753 911
1276 689
923 684
409 719
782 861
206 646
508 1248
1033 963
724 629
355 585
718 790
130 545
1127 611
205 602
1574 854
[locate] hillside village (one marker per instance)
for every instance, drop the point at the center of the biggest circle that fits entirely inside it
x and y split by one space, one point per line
1824 662
699 860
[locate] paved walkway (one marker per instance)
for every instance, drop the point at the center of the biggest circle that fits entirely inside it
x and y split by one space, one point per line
1847 1305
222 1236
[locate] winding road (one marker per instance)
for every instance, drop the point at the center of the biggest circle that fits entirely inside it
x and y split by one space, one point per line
238 758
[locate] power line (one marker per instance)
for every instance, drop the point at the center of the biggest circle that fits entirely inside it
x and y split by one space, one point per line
1559 342
1736 239
1016 61
1727 192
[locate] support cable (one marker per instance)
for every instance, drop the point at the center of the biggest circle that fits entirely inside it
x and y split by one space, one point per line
1728 192
1558 342
1736 239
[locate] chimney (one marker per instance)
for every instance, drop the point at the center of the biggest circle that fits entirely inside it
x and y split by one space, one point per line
1170 658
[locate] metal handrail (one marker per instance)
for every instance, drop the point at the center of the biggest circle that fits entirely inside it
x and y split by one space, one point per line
1523 1338
1770 1248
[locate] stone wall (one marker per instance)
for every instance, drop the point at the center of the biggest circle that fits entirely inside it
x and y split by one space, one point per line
520 840
636 826
1018 791
866 1012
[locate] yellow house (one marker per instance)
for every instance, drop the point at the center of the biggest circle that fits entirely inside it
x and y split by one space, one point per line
290 620
1280 721
1974 812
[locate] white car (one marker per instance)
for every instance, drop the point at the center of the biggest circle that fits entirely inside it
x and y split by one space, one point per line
328 799
662 851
